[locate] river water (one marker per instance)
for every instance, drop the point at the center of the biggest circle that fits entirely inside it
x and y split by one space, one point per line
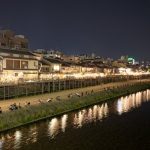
120 124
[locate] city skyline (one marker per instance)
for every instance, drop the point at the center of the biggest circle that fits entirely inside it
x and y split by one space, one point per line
109 29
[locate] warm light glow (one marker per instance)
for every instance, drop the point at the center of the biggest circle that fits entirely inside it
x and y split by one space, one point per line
86 116
18 136
124 104
53 127
64 122
56 68
1 144
15 77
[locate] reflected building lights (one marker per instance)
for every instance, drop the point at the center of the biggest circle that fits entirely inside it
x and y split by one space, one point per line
80 118
125 104
53 127
119 106
89 115
32 135
18 136
96 112
147 98
1 144
100 112
134 100
105 110
64 122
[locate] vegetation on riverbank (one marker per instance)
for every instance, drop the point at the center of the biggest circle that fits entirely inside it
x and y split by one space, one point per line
34 113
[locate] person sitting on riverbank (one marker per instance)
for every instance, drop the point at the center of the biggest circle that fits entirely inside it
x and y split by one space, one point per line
27 103
77 94
13 107
49 100
0 110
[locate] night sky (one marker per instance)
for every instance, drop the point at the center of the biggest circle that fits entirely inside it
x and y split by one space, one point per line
109 28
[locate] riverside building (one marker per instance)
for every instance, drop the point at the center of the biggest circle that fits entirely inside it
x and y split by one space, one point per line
17 65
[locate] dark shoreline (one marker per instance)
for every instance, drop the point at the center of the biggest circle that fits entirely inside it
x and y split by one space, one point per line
33 114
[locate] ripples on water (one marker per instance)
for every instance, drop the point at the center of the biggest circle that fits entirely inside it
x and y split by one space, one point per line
30 134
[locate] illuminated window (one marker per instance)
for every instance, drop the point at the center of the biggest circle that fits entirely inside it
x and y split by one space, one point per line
56 68
24 64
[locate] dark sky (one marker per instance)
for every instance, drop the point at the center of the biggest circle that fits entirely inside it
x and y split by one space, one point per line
106 27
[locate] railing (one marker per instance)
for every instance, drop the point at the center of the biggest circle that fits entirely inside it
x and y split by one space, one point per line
33 88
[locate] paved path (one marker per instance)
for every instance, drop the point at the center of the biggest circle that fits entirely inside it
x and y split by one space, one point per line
4 104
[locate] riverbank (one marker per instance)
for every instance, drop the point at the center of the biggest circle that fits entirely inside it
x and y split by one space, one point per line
34 113
34 100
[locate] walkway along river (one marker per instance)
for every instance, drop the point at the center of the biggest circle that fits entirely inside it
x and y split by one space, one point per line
41 87
119 124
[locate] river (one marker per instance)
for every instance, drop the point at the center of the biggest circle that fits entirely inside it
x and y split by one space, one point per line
120 124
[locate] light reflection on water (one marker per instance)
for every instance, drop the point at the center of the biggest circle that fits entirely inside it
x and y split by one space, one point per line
125 104
97 112
32 138
18 136
1 144
64 122
53 127
28 135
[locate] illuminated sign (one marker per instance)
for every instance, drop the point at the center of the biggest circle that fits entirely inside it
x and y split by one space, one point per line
131 60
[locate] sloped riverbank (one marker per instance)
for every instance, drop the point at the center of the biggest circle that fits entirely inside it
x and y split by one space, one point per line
31 114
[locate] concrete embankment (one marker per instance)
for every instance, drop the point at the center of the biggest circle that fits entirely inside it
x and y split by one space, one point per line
33 113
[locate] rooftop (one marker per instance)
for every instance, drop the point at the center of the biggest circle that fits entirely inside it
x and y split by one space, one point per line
11 51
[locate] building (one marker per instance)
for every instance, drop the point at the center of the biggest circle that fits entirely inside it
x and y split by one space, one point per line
54 54
18 64
9 40
40 51
88 56
49 68
44 66
124 58
48 64
131 60
69 68
55 64
71 58
49 53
